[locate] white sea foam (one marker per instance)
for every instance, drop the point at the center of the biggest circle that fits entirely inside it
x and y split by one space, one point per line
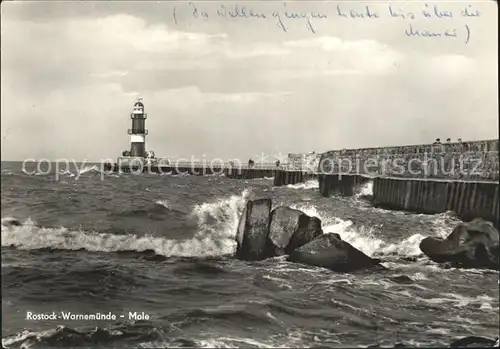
20 337
217 222
440 331
444 223
78 172
29 338
66 173
262 179
406 247
310 184
419 276
163 203
364 238
86 169
365 190
278 281
235 342
454 299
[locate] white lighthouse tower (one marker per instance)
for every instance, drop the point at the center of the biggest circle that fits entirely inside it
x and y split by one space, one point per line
137 157
138 131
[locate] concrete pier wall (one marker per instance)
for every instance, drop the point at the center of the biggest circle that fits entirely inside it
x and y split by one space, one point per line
340 185
249 173
468 200
299 169
303 162
284 177
476 160
237 173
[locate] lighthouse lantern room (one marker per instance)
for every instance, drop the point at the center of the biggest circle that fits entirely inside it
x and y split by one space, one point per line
138 131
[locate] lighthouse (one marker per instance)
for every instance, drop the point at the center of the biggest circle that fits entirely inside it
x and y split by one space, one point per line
138 131
137 157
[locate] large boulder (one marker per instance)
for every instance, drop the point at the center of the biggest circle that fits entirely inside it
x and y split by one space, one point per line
330 251
309 230
10 222
474 342
290 229
470 245
253 231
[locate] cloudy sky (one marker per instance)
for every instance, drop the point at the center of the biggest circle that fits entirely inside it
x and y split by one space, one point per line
236 87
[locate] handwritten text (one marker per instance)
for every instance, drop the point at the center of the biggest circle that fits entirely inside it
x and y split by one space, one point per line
431 21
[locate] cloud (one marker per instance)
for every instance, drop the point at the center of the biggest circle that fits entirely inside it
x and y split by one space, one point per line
110 74
452 67
69 79
367 56
126 32
246 98
255 51
95 45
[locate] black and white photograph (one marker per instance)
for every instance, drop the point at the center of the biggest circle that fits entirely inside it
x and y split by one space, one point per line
253 174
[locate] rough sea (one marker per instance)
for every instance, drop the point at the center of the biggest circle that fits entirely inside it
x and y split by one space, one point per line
158 247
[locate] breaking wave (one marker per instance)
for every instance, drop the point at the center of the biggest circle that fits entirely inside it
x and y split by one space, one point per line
310 184
364 238
86 169
217 225
67 172
365 191
144 332
163 203
68 337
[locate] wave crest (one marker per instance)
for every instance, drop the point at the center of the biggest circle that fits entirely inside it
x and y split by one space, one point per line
364 238
217 225
310 184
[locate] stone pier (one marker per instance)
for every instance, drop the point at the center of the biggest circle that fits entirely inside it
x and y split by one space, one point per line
340 185
285 177
430 178
198 170
467 199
